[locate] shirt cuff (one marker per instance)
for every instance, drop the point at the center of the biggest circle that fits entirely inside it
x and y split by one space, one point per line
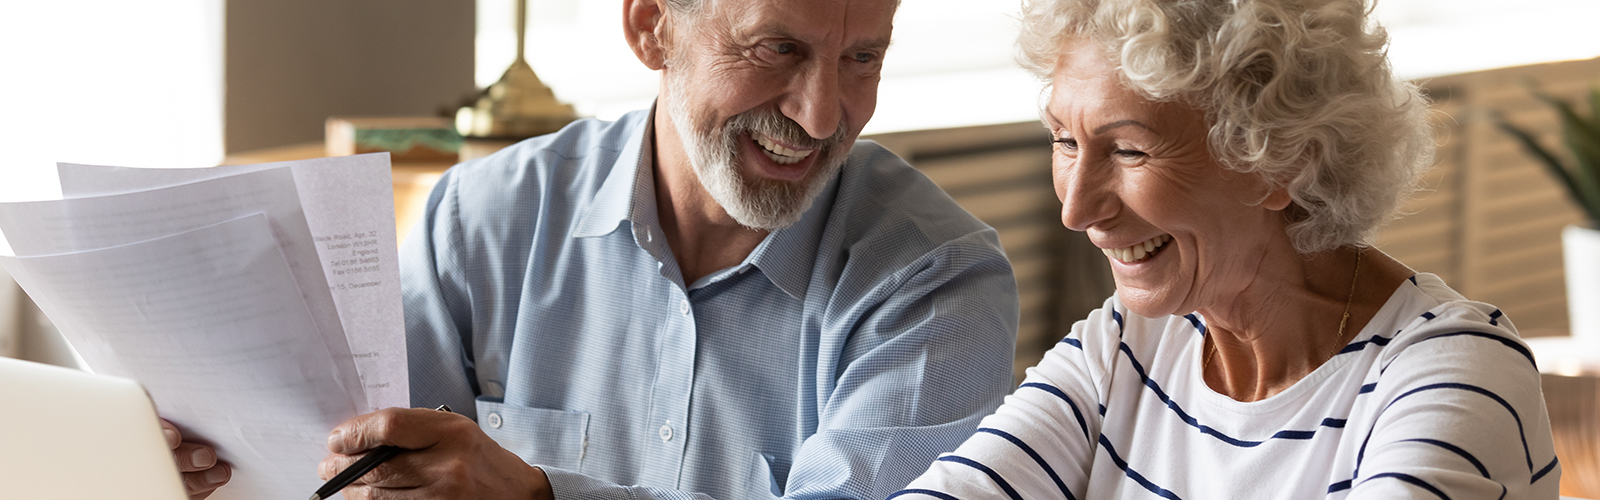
568 485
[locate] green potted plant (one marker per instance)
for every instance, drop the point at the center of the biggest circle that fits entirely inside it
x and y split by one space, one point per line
1580 242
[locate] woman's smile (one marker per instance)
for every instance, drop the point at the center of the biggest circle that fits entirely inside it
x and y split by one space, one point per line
1140 251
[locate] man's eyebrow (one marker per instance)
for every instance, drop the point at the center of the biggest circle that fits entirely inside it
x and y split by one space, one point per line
767 29
775 30
1121 123
881 43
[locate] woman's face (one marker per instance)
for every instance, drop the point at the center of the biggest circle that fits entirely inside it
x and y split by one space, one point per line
1181 232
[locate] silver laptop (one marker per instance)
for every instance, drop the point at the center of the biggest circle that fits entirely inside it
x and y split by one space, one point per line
70 435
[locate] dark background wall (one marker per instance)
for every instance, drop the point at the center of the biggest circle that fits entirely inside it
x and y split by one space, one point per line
290 64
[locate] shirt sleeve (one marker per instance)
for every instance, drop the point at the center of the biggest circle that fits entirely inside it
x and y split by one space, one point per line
907 373
438 312
1041 442
1462 416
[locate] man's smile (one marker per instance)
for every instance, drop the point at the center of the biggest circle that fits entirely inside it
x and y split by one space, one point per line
777 152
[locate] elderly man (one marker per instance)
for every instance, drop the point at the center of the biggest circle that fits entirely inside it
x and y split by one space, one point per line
717 297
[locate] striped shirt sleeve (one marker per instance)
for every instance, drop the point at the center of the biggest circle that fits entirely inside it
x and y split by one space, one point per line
1462 416
1041 442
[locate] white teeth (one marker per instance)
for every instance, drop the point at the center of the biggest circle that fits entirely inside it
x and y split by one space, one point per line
779 154
1137 251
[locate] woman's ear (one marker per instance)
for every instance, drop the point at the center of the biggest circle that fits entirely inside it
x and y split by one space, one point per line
643 23
1277 199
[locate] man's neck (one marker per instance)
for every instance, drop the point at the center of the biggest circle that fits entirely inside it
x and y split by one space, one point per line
703 237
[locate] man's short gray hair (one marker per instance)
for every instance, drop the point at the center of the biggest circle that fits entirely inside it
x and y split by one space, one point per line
1297 91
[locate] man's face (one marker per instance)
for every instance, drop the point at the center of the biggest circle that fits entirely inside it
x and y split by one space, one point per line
769 95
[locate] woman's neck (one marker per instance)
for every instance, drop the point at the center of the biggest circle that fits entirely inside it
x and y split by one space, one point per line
1286 322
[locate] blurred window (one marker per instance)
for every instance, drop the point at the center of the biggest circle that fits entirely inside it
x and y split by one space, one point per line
107 82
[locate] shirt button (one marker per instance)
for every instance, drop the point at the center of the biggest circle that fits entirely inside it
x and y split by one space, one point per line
666 432
683 307
494 420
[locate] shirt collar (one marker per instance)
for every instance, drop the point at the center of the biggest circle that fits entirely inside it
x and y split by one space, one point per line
628 192
788 255
785 256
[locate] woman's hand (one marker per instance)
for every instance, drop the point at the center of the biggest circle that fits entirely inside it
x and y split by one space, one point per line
202 473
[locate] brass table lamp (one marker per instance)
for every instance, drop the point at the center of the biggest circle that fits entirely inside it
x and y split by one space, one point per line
518 106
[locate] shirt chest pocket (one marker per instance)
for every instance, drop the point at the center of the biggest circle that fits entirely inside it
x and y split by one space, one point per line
553 438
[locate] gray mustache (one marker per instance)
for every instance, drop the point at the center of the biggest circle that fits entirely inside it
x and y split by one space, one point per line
775 125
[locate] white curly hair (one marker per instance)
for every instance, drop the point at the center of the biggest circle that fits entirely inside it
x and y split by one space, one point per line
1297 91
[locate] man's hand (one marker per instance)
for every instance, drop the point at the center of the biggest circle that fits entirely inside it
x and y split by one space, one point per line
448 457
202 473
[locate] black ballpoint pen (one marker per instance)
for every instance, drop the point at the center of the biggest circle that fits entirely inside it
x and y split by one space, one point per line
371 461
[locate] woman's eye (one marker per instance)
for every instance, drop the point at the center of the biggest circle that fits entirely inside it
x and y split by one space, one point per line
1067 143
1130 154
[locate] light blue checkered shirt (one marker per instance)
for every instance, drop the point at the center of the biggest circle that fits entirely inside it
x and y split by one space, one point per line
838 360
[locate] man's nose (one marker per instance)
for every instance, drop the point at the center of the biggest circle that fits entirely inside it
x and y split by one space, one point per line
1087 198
815 101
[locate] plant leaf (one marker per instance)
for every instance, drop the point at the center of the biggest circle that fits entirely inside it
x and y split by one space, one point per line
1555 166
1583 140
1585 146
1594 102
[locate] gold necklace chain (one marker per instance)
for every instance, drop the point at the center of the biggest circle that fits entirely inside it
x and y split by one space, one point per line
1211 346
1347 301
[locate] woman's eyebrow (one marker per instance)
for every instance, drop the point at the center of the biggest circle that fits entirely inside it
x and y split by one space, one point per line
1121 123
1049 119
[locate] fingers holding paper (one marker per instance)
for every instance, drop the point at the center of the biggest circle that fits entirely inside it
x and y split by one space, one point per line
447 456
202 473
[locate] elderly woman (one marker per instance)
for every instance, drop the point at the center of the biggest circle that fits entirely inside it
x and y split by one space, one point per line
1233 159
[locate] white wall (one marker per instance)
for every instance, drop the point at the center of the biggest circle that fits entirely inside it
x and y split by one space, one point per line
1430 38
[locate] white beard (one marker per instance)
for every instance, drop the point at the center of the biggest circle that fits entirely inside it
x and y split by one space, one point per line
754 202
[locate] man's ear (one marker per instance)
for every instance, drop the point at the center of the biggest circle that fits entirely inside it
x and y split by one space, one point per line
644 23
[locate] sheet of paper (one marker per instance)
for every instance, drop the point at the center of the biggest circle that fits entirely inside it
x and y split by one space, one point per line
349 207
225 344
74 225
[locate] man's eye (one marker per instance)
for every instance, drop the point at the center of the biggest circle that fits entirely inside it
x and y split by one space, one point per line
866 57
783 48
1130 154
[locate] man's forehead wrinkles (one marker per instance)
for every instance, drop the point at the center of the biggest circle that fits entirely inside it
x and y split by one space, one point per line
759 22
789 28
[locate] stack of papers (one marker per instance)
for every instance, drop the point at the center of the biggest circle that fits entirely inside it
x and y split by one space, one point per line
258 304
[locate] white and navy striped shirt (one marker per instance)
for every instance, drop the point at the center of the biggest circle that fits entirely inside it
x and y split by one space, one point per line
1435 398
